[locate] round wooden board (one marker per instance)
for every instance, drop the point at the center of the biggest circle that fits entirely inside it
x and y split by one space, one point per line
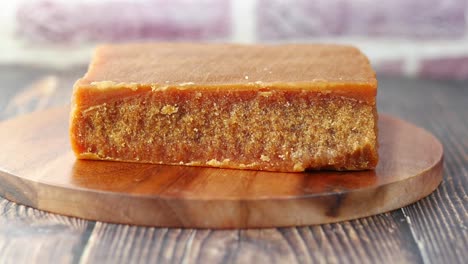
38 169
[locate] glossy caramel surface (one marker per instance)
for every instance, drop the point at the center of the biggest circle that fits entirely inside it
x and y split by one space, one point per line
311 67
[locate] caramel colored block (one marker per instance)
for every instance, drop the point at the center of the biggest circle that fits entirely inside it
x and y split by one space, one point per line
262 107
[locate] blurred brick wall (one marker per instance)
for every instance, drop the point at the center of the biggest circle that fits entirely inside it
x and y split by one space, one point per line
402 37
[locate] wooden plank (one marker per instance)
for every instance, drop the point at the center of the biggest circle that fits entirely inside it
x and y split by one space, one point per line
28 235
29 89
439 222
32 236
369 240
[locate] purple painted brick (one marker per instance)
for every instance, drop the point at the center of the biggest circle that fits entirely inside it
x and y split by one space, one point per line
293 19
445 68
53 21
390 67
278 20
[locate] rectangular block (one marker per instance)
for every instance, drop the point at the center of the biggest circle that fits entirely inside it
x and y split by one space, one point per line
390 67
277 108
455 67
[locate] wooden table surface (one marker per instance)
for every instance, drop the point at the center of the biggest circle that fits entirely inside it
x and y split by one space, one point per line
434 230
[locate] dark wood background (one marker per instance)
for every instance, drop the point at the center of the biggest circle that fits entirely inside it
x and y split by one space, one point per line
434 230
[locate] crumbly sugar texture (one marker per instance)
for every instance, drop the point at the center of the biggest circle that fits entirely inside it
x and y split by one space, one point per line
263 107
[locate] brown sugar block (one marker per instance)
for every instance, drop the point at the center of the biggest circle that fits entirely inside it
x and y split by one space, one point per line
262 107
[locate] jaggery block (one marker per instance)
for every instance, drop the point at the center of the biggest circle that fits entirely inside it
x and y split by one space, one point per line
261 107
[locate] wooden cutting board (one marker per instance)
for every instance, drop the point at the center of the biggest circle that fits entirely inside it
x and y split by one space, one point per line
38 169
